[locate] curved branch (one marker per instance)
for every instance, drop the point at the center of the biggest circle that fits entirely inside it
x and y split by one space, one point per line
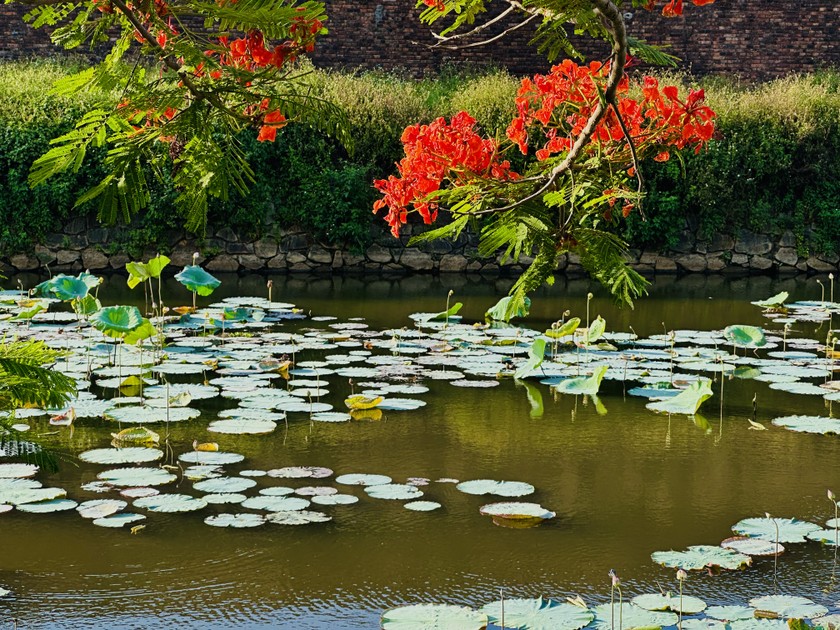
477 29
490 40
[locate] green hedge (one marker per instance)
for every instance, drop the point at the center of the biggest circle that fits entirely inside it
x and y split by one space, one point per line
773 166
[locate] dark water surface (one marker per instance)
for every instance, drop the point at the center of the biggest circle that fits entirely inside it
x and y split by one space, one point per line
623 485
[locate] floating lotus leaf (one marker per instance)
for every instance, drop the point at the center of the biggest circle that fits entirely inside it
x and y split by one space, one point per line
789 606
171 503
276 491
698 557
687 402
301 472
336 499
237 521
197 391
752 546
745 336
331 416
394 491
363 402
809 424
275 504
656 601
46 507
316 491
474 383
433 617
17 471
224 484
297 517
703 624
241 427
136 493
825 536
7 485
137 476
730 613
129 455
401 404
783 530
209 458
504 311
21 496
499 488
828 622
100 508
773 302
514 510
151 415
302 407
136 435
119 520
179 368
202 471
422 506
195 279
607 616
587 385
538 614
758 624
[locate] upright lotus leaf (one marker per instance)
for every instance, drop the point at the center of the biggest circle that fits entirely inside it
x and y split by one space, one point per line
596 330
607 616
86 306
588 385
699 557
777 301
433 617
500 312
237 314
783 530
538 614
64 287
144 331
117 321
156 265
745 336
686 402
137 272
445 315
567 328
195 279
789 606
536 353
89 279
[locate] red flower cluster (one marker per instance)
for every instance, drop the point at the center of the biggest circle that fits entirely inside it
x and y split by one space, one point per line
674 8
561 102
433 153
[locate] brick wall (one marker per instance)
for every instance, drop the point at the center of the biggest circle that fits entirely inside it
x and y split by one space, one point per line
757 39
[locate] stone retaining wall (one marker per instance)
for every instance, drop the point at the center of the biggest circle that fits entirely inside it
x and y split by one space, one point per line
84 244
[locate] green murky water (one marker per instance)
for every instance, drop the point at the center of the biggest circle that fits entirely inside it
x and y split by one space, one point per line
623 485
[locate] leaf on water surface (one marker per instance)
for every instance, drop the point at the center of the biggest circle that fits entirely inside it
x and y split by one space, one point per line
825 536
361 402
301 472
169 503
118 520
809 424
219 458
129 455
515 510
195 279
631 617
241 427
588 385
297 517
17 471
687 402
745 336
137 476
758 624
394 491
237 521
789 606
499 488
730 613
20 496
100 508
276 504
46 507
538 614
783 530
686 604
753 546
698 557
337 499
221 485
422 506
433 617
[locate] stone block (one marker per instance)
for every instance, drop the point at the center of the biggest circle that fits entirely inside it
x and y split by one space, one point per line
416 260
227 234
452 263
24 262
295 258
294 242
77 225
239 248
788 239
665 265
249 261
93 259
816 264
266 247
118 261
753 244
223 262
67 256
379 254
694 263
278 262
787 256
352 260
760 263
741 260
318 254
97 235
715 263
721 243
44 255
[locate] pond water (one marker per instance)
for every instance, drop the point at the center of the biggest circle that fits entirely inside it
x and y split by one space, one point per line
623 484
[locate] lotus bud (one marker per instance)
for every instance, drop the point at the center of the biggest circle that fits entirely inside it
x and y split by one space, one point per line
681 574
614 578
195 256
831 276
269 284
830 495
589 296
451 293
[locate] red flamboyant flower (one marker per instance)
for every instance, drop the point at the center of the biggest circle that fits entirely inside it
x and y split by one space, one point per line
272 121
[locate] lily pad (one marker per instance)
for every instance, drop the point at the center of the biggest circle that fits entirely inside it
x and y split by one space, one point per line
433 617
516 514
297 517
753 546
17 471
783 530
809 424
422 506
301 472
224 484
730 613
698 557
211 458
151 415
171 503
538 614
394 491
499 488
46 507
656 601
607 616
100 508
119 520
237 521
745 336
241 426
336 499
276 504
129 455
137 476
789 606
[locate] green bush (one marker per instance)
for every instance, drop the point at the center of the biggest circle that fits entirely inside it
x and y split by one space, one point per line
771 167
